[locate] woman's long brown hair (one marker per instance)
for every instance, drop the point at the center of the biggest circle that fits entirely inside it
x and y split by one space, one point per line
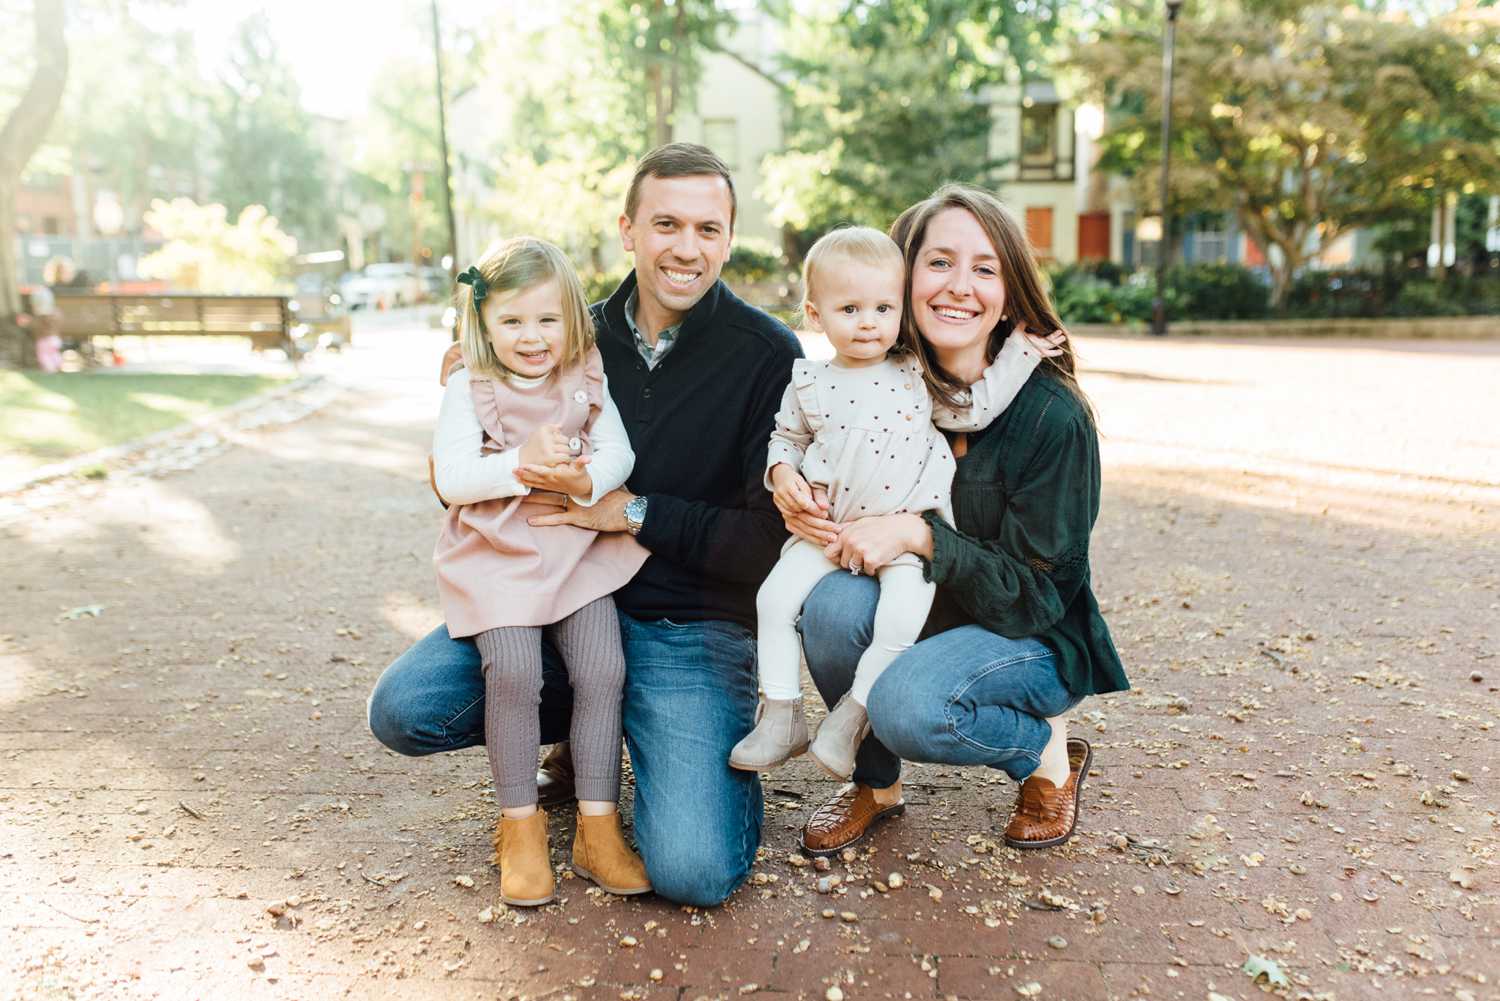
1026 300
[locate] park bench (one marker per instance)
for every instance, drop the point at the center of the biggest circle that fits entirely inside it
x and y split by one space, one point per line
267 320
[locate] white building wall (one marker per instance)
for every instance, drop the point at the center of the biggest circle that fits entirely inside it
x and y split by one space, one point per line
738 116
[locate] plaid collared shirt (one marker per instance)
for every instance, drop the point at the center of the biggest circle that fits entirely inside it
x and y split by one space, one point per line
651 354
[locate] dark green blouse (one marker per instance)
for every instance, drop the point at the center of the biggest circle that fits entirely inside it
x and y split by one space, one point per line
1025 498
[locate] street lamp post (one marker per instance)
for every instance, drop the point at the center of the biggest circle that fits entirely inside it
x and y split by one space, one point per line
437 58
1159 306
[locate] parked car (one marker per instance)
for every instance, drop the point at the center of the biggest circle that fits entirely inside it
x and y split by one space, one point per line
384 286
319 305
438 284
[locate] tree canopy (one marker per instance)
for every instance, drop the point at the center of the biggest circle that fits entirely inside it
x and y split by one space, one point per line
1303 124
888 98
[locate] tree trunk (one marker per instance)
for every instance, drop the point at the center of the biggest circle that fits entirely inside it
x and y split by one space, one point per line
19 138
660 130
1284 273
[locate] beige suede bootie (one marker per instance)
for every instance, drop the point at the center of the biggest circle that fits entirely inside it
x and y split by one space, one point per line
839 737
601 854
525 863
780 734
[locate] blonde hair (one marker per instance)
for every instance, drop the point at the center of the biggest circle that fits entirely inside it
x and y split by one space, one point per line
510 267
849 244
1026 299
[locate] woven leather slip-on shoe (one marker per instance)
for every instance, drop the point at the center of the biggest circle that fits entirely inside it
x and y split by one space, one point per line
1046 814
845 820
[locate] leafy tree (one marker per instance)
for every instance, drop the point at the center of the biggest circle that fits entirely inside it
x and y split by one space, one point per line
888 98
399 144
653 48
571 138
207 253
266 151
135 113
20 136
1303 123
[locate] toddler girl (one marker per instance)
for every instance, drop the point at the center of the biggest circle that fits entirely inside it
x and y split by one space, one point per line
533 391
860 428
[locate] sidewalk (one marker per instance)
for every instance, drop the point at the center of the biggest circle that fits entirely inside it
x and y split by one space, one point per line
192 806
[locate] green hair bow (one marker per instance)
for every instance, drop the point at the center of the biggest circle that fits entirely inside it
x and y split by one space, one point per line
473 278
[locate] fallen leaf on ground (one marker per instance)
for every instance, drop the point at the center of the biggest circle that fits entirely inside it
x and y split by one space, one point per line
1260 966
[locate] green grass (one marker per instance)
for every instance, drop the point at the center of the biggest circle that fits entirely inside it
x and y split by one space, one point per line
48 418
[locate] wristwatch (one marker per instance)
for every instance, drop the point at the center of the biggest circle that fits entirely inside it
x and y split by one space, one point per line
635 514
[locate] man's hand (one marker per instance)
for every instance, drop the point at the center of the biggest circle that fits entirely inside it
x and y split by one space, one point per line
546 447
564 478
606 516
453 358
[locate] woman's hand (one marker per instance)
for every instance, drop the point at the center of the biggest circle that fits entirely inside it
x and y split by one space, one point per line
1048 347
546 447
564 478
866 545
803 507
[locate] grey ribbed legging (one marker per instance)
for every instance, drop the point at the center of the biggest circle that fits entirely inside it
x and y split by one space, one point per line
589 641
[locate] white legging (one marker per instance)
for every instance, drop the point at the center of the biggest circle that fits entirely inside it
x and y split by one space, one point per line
905 598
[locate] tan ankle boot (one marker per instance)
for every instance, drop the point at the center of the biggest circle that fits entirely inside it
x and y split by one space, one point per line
601 854
524 860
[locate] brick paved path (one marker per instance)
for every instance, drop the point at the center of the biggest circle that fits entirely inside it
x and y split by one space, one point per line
191 806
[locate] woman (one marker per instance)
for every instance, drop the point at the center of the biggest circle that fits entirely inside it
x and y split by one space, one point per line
1015 639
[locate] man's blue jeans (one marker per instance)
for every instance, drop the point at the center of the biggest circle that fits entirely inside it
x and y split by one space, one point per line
690 696
964 697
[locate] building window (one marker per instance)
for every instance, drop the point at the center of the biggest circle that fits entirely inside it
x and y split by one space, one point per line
1040 140
722 135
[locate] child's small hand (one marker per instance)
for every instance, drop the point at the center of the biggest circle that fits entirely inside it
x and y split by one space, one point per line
547 446
569 477
1048 347
793 494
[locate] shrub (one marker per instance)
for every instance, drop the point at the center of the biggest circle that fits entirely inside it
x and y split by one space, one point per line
599 285
1083 298
1391 293
755 261
1217 292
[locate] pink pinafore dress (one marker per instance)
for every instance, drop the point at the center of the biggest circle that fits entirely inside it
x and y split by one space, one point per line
494 569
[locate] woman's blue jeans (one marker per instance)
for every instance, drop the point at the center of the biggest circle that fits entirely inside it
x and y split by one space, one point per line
689 698
964 697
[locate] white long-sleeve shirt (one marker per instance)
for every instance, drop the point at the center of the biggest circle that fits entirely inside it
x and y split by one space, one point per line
466 474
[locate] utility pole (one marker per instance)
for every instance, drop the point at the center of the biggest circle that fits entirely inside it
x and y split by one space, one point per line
1159 307
437 58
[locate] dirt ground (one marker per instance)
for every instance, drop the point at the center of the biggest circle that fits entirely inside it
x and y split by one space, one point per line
1299 555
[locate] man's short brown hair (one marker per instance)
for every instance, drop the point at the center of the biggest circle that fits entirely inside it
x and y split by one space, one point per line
679 160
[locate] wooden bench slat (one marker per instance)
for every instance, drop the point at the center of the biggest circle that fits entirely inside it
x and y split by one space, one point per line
263 318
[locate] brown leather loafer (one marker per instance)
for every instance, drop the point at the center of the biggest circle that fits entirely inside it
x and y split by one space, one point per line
1045 815
845 820
554 778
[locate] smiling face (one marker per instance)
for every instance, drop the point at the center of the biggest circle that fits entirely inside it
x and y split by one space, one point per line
527 329
858 306
680 238
957 294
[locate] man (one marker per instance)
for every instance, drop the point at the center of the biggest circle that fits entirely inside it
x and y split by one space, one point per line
697 376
